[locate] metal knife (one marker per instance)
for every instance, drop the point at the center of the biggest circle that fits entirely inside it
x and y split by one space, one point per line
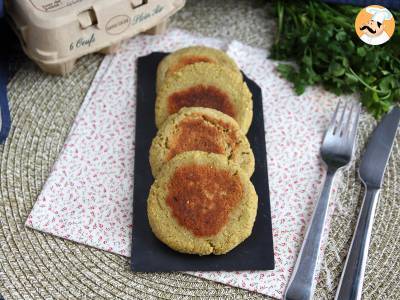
371 172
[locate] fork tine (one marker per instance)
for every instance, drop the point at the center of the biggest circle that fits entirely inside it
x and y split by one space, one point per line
341 125
353 131
348 124
332 124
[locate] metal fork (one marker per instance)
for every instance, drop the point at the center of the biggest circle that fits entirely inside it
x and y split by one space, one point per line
336 151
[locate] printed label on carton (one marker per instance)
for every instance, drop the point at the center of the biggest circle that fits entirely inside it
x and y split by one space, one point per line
118 24
82 42
53 5
146 15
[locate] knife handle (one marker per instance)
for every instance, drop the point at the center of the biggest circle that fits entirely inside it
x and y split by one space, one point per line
301 285
351 282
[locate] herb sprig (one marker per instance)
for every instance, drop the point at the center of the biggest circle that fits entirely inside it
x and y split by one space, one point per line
322 41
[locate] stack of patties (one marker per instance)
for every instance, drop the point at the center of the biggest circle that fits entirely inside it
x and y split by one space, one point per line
202 201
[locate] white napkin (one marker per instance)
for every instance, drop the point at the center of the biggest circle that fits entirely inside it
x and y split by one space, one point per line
88 195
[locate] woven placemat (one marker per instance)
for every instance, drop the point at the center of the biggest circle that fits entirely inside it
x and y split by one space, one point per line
382 278
37 266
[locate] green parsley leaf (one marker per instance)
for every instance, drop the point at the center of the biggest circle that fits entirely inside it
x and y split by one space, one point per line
321 39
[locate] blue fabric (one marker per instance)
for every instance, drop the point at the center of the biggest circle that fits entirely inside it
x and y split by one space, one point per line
4 109
393 4
5 123
1 8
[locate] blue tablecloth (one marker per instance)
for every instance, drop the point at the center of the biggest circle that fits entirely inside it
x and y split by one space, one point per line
5 119
393 4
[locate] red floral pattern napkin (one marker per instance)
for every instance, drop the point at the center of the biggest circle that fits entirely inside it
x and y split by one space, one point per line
88 195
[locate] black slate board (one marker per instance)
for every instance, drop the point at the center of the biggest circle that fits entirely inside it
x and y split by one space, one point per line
148 253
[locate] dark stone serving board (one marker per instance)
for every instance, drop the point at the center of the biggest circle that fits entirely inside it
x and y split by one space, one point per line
148 253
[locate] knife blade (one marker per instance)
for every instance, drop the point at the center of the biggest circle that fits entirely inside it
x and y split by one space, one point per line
376 156
371 172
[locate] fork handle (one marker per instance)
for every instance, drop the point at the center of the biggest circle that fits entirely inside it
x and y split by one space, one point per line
301 285
351 282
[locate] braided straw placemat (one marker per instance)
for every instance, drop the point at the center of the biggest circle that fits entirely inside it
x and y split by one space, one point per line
37 266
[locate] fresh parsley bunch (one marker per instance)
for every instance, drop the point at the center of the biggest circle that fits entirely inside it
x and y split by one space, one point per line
322 41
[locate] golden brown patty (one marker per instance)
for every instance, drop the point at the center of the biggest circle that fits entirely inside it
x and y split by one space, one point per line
191 55
202 204
203 129
205 85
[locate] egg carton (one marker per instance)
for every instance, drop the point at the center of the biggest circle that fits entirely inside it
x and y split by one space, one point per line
55 33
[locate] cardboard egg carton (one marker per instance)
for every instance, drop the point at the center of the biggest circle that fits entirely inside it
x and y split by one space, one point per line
55 33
